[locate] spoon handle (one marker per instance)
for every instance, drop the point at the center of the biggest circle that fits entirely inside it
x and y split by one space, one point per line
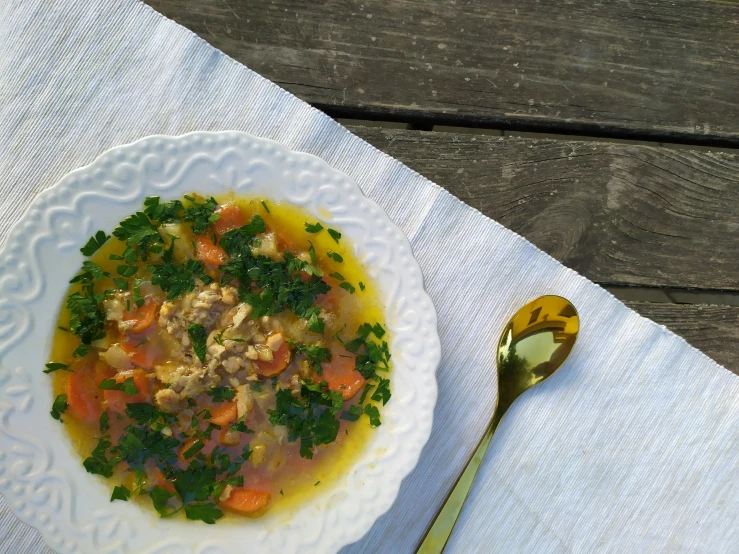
443 526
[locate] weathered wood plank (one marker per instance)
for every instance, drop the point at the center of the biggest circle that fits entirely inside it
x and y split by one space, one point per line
712 329
618 214
636 69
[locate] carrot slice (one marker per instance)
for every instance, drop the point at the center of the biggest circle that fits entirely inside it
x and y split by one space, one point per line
116 400
139 352
83 395
246 500
280 360
223 414
209 252
232 217
142 316
341 374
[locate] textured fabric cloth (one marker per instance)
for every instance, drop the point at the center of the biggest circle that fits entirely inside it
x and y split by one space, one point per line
631 447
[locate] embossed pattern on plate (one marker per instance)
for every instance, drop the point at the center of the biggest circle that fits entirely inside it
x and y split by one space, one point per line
41 476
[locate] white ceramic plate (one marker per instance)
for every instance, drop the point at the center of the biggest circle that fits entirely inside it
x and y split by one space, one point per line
42 478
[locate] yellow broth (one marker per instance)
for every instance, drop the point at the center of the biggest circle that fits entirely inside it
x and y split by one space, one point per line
289 478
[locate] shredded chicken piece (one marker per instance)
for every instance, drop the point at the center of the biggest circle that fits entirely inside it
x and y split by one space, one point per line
234 342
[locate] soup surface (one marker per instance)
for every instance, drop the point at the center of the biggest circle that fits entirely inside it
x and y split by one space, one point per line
219 356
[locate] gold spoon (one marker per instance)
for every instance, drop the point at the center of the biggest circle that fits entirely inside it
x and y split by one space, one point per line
534 344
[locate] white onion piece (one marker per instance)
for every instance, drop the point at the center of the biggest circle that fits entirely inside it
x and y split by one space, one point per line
117 358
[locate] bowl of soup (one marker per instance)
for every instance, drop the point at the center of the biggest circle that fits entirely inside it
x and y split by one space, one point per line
210 331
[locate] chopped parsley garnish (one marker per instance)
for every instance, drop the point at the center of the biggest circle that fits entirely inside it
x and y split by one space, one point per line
313 227
104 422
196 447
315 355
370 357
53 366
262 304
221 394
310 416
315 324
81 351
139 233
87 318
246 453
147 415
353 414
160 498
120 492
236 241
139 444
168 212
313 259
98 462
142 412
90 273
374 415
377 329
177 279
334 235
137 297
275 285
335 257
241 428
265 206
200 214
367 389
347 286
204 511
127 270
126 386
198 336
195 484
382 392
95 243
59 407
361 285
336 275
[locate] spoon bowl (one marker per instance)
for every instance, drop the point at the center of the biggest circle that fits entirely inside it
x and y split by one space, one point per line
535 342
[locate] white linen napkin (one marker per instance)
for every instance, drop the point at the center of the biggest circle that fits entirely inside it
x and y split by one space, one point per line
631 447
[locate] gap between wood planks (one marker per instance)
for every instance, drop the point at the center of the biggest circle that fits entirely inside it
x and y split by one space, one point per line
416 126
623 293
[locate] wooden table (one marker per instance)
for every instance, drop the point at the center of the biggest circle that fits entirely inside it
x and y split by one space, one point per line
656 214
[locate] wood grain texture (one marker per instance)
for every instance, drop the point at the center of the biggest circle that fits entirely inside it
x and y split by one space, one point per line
712 329
618 214
628 68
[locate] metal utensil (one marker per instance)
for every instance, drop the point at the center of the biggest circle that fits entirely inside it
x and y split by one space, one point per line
534 344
